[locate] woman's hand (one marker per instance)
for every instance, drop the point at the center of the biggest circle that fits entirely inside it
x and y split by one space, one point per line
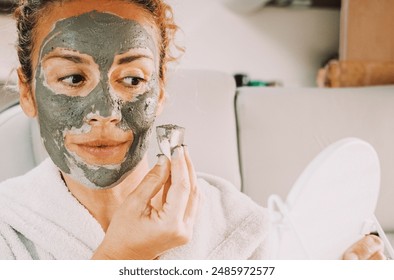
138 230
369 247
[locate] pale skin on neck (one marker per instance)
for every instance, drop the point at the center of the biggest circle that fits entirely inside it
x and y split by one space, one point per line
100 203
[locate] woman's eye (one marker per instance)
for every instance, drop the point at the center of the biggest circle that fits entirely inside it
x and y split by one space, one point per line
132 81
73 80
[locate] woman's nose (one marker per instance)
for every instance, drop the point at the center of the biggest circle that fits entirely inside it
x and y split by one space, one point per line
97 119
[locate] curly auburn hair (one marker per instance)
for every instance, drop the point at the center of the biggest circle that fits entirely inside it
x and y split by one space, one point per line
28 13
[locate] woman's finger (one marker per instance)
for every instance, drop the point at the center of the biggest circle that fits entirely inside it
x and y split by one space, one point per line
378 256
192 205
153 181
178 193
167 186
365 248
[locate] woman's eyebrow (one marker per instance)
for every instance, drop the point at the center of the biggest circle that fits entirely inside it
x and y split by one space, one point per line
72 58
131 58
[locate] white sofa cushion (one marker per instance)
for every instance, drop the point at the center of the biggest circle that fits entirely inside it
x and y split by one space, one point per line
15 143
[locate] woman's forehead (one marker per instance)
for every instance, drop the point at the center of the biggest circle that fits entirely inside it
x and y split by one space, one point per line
117 20
100 35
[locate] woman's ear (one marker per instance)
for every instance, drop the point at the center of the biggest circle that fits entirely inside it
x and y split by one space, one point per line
26 98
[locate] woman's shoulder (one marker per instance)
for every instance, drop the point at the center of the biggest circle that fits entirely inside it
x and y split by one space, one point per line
229 224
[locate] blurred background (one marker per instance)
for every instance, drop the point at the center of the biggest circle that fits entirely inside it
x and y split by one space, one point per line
280 42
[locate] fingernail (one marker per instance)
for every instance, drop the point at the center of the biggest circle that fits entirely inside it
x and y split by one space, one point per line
162 159
177 152
351 256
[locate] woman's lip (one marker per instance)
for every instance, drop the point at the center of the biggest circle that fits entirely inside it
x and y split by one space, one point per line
101 143
102 152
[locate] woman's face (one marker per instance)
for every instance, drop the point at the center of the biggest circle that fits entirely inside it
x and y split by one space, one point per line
96 88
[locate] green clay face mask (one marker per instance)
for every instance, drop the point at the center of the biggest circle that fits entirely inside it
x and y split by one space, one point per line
89 45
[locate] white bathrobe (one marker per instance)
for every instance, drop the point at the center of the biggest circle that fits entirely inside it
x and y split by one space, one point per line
41 219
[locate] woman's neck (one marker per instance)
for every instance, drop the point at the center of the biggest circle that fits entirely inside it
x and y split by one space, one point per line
103 203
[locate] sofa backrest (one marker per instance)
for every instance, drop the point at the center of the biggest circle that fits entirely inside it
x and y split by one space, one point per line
281 130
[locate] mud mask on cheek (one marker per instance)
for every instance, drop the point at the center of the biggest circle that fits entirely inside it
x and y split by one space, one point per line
101 36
